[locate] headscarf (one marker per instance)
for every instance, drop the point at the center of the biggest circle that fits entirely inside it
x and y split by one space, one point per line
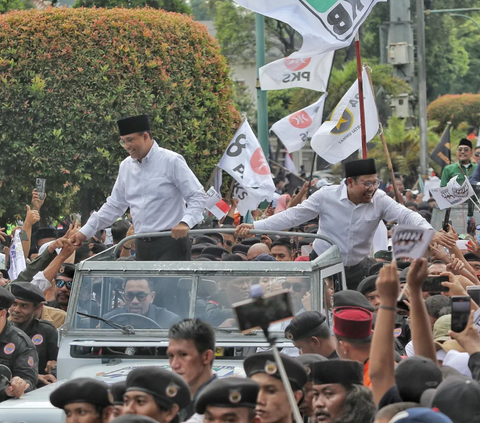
282 203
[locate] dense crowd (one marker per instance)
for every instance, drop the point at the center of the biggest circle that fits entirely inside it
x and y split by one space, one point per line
383 350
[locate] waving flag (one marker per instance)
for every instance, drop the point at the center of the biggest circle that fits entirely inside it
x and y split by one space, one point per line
453 194
293 130
311 72
341 136
325 25
244 160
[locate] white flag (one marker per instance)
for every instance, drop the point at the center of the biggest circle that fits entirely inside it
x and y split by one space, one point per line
410 241
311 72
17 258
293 130
215 204
325 25
341 136
290 164
244 160
453 194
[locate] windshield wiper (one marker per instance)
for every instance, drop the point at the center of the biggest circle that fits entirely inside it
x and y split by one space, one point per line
127 329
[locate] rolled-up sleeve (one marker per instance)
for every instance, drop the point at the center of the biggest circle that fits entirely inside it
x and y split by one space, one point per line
394 212
115 206
192 192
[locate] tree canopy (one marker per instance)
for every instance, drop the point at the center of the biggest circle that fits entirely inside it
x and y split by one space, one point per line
168 5
67 75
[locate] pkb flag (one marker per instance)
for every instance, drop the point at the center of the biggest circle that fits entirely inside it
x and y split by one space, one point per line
325 25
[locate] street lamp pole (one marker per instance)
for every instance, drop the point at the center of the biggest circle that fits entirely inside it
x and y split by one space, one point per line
422 89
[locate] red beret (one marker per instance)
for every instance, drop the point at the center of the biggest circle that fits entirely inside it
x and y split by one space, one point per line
352 322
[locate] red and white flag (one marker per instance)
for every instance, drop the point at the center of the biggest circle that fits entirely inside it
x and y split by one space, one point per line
293 130
311 72
215 204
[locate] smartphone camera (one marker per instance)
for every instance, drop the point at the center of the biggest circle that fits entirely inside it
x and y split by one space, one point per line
460 312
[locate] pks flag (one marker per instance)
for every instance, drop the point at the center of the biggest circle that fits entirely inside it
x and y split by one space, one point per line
293 129
453 194
441 154
244 160
17 258
309 71
341 136
325 25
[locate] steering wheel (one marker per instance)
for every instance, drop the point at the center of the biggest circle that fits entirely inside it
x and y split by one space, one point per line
152 324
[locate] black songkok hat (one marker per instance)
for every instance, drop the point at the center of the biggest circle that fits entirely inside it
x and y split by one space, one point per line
265 363
67 270
25 291
346 372
465 142
230 392
360 167
133 124
304 325
83 389
168 387
350 298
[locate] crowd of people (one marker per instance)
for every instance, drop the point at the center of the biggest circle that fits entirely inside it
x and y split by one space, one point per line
382 351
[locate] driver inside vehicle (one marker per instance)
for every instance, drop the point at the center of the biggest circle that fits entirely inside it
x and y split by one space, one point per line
138 294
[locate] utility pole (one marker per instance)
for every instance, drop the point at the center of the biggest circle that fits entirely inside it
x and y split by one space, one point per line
422 88
262 112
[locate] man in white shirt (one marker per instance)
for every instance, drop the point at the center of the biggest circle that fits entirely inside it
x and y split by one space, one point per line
156 184
349 215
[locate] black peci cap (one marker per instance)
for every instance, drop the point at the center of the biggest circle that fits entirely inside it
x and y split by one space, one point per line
83 389
264 362
251 241
351 298
360 167
204 239
367 285
346 372
26 291
133 124
215 250
45 233
466 142
168 387
240 249
133 418
304 325
228 393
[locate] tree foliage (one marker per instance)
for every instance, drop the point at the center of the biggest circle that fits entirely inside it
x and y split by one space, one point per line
456 109
168 5
201 11
6 5
68 74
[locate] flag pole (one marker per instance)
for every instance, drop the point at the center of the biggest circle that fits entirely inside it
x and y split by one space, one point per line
360 93
398 196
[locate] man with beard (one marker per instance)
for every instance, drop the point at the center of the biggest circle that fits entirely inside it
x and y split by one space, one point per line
349 215
306 406
272 402
28 298
191 351
63 286
338 393
84 400
138 295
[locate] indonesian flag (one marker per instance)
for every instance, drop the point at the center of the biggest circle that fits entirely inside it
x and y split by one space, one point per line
215 204
293 130
341 136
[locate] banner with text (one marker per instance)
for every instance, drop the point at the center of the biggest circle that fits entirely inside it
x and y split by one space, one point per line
453 194
410 241
293 130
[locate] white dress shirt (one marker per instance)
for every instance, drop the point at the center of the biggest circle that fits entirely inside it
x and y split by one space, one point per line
350 226
156 190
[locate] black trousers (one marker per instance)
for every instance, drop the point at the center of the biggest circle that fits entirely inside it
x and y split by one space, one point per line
164 248
355 274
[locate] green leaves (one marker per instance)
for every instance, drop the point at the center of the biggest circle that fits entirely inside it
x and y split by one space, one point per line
79 70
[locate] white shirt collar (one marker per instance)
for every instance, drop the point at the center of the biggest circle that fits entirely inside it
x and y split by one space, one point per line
150 154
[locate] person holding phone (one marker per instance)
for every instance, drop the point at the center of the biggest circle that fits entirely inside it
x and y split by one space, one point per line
157 185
